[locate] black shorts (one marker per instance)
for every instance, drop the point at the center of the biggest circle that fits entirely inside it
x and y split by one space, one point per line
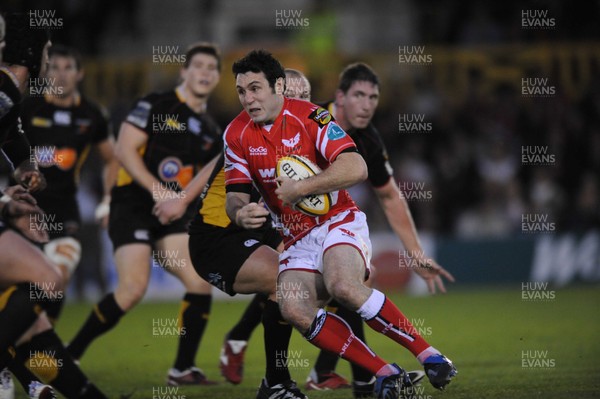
131 220
61 217
218 253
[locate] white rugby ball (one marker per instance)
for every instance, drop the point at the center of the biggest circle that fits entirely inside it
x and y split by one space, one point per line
297 167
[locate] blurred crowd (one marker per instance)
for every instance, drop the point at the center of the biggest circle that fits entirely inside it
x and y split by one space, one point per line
465 174
478 162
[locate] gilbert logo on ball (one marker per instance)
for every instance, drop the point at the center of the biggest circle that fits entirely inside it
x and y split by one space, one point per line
297 168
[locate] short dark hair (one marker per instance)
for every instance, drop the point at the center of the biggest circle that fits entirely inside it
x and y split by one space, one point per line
260 61
60 50
356 72
202 48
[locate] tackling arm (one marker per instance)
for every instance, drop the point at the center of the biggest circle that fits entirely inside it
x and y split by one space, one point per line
244 213
400 219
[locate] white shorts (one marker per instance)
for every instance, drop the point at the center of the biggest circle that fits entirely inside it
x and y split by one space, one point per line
346 228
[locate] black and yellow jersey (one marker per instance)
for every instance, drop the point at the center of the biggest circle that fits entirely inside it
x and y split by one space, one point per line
211 207
180 141
210 210
60 139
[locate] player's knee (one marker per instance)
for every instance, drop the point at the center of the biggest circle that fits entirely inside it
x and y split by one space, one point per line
64 252
341 291
294 313
130 293
50 281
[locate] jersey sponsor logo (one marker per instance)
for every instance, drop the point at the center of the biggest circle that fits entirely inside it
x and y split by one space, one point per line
140 114
334 132
41 122
141 234
267 173
292 142
48 156
194 125
62 118
256 151
172 169
250 243
321 116
6 104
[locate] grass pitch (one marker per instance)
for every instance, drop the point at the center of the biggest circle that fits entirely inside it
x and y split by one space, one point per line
503 346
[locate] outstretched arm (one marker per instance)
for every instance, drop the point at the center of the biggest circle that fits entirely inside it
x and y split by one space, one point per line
400 219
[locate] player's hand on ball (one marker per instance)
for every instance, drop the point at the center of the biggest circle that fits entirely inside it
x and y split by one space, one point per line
432 273
251 216
287 191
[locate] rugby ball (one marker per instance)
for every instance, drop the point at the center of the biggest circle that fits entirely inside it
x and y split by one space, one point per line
297 167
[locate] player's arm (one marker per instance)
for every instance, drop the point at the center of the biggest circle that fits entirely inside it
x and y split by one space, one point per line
17 149
244 213
346 170
127 151
172 209
238 186
400 219
106 149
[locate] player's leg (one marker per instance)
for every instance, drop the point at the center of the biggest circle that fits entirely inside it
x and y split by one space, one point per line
28 279
133 271
236 261
323 375
65 253
194 311
343 273
231 360
300 294
45 355
259 274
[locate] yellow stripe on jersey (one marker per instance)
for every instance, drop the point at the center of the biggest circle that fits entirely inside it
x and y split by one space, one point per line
213 204
80 161
123 177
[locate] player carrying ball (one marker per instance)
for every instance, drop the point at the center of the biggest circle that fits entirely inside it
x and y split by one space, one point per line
325 255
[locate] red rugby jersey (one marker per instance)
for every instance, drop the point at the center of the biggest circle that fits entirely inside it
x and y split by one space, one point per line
252 151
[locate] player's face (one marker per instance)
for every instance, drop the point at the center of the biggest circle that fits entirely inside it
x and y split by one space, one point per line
259 100
202 74
297 87
63 74
359 103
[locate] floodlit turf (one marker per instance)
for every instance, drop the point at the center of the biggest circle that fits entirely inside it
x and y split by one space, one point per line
490 334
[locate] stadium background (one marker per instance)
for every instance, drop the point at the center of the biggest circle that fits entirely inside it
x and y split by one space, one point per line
487 84
455 70
459 71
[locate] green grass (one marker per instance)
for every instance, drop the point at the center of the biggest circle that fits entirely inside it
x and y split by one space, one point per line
483 331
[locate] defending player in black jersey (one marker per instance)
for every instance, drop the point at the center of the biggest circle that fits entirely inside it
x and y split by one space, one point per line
24 272
165 140
62 127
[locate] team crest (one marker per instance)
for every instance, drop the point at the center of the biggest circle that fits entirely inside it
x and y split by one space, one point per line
334 132
171 169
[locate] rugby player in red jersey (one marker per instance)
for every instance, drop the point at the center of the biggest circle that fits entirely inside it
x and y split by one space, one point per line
326 255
